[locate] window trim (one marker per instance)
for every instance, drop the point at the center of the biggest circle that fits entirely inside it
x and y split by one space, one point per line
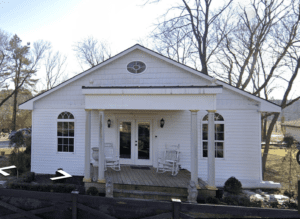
137 61
224 141
65 120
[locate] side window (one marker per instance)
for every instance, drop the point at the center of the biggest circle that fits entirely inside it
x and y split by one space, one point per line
65 132
219 135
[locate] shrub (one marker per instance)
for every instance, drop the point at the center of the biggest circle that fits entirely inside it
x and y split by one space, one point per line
243 201
230 201
92 191
256 204
61 188
212 200
233 185
274 204
291 205
289 194
28 177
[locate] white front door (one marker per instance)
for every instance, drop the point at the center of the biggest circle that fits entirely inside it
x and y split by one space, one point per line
135 144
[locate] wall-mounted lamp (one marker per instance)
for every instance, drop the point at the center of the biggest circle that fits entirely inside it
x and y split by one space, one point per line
108 123
162 123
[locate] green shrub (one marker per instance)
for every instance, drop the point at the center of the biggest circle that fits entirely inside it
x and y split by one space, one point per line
230 201
289 194
92 191
212 200
256 204
233 186
274 204
291 205
61 188
244 202
28 177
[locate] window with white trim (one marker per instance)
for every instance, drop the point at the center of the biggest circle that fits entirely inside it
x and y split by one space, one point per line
65 132
219 136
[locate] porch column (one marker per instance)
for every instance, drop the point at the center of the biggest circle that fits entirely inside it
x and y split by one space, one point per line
101 178
211 149
194 147
87 166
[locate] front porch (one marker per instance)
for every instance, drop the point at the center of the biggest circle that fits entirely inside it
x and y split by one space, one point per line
143 182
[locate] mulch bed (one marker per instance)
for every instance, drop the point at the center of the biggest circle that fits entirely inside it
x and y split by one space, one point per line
45 179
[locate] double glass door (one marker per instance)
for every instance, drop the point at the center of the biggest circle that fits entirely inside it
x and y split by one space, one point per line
135 142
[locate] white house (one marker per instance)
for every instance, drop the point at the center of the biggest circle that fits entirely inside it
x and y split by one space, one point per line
135 90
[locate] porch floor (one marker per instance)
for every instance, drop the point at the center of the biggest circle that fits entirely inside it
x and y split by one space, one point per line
149 177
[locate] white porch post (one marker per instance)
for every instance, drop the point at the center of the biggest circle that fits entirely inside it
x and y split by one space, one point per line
87 167
211 149
194 147
101 178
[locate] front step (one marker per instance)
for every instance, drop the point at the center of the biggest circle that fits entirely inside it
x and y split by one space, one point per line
150 192
178 190
162 196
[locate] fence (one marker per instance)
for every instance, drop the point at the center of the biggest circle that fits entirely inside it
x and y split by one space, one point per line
16 203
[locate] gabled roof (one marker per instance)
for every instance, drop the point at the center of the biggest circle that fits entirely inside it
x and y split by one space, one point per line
264 104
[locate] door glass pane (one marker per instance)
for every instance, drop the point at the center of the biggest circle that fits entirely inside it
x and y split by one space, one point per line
143 140
125 139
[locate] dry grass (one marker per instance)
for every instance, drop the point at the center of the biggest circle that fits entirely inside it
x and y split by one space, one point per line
9 150
277 170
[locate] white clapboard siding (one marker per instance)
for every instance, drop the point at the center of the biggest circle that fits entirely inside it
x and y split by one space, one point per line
45 158
241 147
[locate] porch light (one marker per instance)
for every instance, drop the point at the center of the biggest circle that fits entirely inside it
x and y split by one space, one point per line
162 123
108 123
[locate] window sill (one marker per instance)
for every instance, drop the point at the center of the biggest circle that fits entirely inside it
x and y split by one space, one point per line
205 158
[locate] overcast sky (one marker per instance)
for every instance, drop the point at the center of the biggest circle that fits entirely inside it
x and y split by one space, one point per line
64 22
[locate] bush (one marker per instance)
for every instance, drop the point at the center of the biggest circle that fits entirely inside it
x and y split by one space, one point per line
233 186
92 191
61 188
28 177
230 201
289 194
244 202
291 205
212 200
274 204
256 204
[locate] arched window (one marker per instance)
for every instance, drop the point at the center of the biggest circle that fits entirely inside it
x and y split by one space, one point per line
219 136
65 132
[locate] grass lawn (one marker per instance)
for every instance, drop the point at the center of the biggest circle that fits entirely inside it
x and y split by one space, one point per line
9 150
277 169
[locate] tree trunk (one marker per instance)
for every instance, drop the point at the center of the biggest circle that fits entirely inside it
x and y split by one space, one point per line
265 129
14 119
268 138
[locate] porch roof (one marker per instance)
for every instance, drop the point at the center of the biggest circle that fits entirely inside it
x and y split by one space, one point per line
169 90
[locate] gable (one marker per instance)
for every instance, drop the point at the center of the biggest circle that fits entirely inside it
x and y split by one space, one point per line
157 73
160 71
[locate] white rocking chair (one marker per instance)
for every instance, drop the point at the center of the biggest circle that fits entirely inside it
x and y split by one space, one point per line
170 160
111 160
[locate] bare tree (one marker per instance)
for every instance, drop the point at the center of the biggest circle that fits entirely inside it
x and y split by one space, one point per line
55 66
263 49
204 25
257 46
4 59
23 65
178 44
91 52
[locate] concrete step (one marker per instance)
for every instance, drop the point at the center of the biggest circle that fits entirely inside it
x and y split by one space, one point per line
172 190
138 194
